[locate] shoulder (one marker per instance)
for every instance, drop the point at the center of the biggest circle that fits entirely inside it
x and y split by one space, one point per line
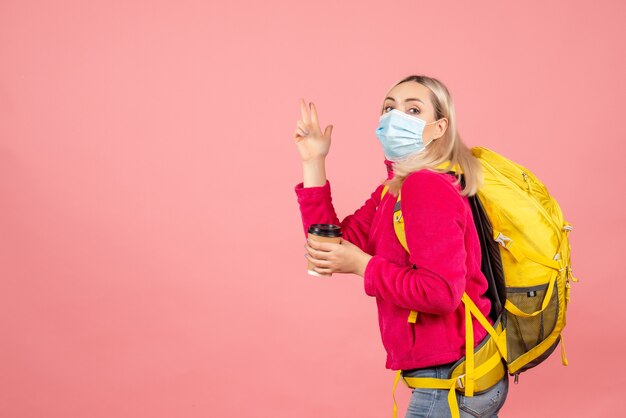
426 180
434 193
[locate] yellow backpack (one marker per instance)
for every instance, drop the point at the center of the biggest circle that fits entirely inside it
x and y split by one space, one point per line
526 260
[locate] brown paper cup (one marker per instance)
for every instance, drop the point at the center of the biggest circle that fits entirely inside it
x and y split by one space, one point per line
317 233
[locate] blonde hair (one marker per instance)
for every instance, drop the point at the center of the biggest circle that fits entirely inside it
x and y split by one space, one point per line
448 147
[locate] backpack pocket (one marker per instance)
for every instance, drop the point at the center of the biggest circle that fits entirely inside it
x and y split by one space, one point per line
525 333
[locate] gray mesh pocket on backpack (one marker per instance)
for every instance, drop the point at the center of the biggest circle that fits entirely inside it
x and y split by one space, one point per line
525 333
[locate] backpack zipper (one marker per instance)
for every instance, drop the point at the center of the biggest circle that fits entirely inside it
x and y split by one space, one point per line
525 177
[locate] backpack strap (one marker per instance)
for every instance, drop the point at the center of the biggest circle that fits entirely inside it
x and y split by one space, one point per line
398 226
508 244
500 339
435 383
393 393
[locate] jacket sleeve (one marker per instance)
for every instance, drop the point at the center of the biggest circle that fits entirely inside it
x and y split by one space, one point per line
316 206
435 221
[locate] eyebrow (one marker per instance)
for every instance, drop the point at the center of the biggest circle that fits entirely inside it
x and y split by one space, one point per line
414 99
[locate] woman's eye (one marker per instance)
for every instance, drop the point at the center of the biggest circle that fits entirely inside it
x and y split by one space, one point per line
414 110
387 108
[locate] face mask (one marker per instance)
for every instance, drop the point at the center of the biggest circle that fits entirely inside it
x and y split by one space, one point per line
400 134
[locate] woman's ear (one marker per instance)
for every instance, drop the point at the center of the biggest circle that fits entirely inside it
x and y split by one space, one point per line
441 127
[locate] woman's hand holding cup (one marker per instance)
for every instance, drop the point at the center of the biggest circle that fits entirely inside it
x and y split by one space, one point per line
328 253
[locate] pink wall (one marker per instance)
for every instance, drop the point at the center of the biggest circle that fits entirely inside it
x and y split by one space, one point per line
151 252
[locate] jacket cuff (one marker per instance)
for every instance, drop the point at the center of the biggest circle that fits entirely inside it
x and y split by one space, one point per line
314 192
369 275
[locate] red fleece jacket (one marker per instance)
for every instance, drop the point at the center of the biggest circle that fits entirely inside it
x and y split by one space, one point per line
444 262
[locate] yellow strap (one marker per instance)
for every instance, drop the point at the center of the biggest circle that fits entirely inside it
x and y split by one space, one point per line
393 393
508 246
384 192
520 254
469 352
500 340
479 315
434 383
429 382
541 260
509 306
488 365
472 373
563 355
402 238
398 226
483 369
450 384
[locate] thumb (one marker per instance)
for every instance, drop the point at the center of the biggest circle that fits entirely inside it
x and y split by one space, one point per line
328 131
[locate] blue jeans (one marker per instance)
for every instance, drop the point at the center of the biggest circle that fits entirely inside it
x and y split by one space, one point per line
433 403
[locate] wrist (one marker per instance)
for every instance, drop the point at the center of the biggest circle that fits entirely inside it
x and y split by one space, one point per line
365 259
314 172
315 161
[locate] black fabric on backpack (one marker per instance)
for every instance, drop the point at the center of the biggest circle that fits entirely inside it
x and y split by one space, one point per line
491 263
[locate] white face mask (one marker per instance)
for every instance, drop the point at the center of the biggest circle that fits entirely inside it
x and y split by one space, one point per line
401 134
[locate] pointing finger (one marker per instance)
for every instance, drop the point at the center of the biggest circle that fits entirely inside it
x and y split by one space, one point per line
314 114
304 111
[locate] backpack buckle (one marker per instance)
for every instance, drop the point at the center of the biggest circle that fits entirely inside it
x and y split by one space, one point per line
459 381
503 240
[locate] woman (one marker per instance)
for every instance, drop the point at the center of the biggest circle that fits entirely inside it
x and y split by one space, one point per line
418 133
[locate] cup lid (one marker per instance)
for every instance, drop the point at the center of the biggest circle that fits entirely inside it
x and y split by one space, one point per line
325 230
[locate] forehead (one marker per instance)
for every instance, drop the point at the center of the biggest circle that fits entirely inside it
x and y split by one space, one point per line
410 89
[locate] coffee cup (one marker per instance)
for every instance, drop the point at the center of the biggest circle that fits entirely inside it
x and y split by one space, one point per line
323 233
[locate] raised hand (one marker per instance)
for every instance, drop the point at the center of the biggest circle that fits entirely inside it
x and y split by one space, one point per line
312 144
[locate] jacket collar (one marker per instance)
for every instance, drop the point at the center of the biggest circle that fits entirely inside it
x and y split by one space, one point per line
389 165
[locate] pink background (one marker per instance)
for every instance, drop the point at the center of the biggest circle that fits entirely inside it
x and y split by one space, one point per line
151 251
